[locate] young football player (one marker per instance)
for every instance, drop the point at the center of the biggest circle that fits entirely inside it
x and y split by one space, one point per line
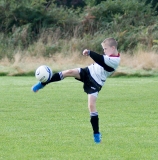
93 78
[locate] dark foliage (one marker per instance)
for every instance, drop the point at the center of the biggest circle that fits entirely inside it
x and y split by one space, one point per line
70 3
130 22
154 3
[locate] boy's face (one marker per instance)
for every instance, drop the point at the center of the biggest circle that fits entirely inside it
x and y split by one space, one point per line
108 50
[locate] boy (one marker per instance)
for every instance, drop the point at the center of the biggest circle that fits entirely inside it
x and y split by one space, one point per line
93 78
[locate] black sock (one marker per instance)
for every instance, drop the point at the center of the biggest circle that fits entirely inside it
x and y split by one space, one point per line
95 124
55 77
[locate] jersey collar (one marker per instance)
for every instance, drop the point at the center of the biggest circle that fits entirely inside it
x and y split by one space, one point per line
115 55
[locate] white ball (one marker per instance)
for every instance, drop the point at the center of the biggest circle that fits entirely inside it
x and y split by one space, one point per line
43 73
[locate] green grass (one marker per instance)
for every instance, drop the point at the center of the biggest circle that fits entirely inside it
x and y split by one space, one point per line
53 124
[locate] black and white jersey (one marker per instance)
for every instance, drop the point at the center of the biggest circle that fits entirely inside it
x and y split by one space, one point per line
104 66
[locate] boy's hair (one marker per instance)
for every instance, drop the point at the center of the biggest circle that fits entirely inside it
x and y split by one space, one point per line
111 42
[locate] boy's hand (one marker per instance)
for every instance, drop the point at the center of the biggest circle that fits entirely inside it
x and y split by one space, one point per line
86 52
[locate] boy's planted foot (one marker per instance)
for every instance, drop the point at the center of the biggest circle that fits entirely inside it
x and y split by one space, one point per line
97 137
37 86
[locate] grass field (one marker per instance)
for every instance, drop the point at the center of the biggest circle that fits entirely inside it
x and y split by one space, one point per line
53 124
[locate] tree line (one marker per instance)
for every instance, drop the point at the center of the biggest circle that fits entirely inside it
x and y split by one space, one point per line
134 23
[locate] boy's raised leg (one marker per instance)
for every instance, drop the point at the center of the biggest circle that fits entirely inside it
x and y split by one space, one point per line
40 85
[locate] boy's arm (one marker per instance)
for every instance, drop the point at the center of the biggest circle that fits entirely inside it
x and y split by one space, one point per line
99 59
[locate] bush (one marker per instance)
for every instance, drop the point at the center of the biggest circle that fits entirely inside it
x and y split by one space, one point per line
25 23
127 19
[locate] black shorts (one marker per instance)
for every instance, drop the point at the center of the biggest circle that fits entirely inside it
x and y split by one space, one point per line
90 85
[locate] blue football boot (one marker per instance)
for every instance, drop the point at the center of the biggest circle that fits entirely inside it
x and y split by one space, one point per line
37 86
97 137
